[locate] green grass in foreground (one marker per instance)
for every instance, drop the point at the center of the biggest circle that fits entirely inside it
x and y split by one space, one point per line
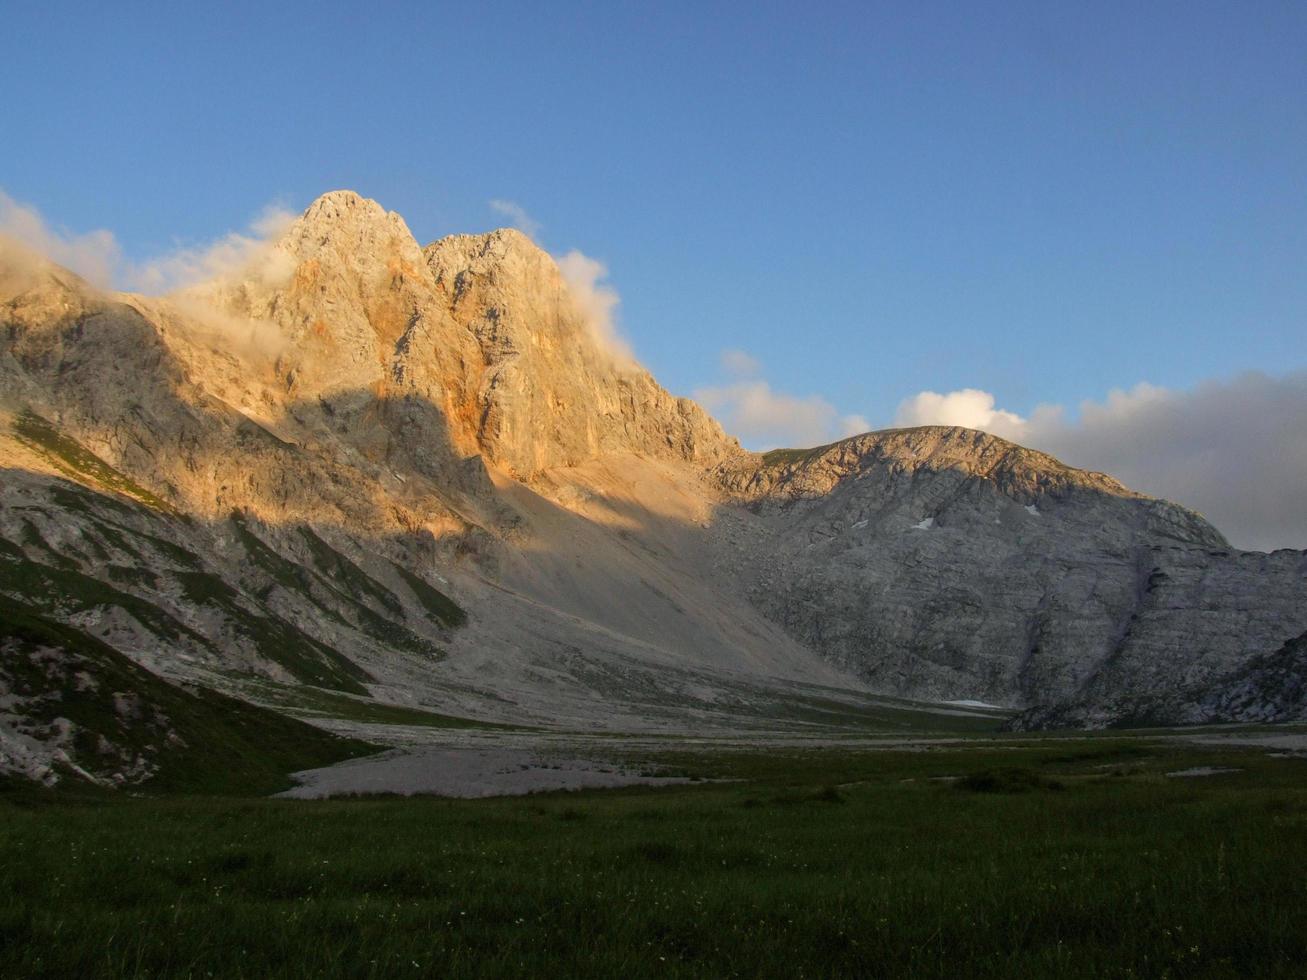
1087 862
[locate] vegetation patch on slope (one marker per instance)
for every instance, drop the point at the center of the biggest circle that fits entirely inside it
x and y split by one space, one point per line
348 575
66 590
75 460
279 641
789 457
440 606
302 579
122 725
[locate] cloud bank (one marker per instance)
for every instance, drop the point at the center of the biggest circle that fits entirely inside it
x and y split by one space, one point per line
1234 450
97 257
762 418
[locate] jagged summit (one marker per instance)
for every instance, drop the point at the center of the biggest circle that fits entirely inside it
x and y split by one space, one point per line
344 225
497 240
344 198
483 327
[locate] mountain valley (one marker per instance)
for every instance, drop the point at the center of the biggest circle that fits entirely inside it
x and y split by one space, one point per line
367 482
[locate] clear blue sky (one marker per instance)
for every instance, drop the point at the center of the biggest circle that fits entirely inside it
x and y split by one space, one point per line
1045 200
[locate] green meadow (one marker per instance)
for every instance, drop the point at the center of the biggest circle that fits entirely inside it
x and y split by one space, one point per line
1066 858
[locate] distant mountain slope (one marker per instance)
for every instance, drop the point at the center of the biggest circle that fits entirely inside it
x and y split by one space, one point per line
950 563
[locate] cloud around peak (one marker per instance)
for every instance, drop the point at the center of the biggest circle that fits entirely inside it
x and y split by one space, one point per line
1235 450
93 255
969 407
596 301
235 254
97 257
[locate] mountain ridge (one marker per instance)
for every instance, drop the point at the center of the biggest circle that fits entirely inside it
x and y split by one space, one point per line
352 425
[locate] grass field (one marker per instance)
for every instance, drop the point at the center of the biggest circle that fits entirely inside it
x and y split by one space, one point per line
1076 859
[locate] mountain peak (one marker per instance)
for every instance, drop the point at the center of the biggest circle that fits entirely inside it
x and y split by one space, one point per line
339 201
499 242
353 227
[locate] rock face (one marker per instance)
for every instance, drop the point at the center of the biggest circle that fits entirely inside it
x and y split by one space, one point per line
480 329
943 562
300 476
1268 688
548 392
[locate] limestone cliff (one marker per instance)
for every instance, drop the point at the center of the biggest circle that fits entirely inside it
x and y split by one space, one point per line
549 392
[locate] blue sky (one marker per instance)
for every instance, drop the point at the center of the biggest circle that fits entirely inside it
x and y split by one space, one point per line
1040 201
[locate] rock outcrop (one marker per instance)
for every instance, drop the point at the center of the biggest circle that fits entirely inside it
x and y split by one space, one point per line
1271 687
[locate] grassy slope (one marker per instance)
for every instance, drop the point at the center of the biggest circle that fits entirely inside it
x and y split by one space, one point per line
227 746
73 459
308 660
826 863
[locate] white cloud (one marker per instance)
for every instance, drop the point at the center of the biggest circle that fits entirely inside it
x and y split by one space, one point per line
739 364
97 257
515 213
969 407
761 417
596 301
234 255
191 276
853 425
1236 450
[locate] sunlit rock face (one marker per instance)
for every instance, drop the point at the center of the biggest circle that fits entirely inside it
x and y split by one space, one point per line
551 389
287 458
481 328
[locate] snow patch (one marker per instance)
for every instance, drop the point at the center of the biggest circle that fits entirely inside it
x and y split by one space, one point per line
968 703
1197 771
1032 510
925 524
860 525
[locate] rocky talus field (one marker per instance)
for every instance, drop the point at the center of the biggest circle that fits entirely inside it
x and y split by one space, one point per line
366 480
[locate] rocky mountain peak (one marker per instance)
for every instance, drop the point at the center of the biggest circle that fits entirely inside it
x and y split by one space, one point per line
481 335
346 226
898 459
554 387
1021 472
